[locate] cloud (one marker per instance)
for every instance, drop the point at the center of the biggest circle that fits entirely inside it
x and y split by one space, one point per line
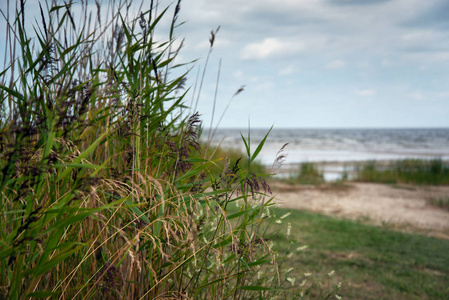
369 27
435 16
336 64
423 40
366 93
270 47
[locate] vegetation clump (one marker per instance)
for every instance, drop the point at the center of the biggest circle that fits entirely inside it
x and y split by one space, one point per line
410 171
105 189
307 173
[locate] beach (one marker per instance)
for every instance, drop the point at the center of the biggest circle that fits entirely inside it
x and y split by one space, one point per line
402 207
337 154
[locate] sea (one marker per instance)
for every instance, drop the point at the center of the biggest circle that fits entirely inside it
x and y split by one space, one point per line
337 150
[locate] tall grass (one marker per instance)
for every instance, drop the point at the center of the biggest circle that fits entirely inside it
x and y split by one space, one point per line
306 173
412 171
226 157
102 195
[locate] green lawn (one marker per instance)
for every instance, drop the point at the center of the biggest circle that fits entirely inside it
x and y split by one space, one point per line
377 262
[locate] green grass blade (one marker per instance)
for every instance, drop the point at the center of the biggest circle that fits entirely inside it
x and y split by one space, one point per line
88 151
248 150
260 146
236 215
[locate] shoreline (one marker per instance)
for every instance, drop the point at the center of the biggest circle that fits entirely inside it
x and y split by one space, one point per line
334 170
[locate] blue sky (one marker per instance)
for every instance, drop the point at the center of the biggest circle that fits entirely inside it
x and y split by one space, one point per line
321 63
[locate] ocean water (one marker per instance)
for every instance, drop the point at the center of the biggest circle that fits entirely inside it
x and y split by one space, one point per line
340 146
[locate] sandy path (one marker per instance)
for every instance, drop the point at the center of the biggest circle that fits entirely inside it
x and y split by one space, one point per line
406 207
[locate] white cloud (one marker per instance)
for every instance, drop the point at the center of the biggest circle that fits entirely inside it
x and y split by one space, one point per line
366 93
270 47
336 64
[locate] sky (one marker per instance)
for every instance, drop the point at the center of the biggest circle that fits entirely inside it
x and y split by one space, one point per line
319 63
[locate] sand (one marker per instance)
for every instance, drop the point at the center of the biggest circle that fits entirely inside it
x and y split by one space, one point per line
399 207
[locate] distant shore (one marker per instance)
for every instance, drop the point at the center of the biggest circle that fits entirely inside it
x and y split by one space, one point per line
335 148
336 170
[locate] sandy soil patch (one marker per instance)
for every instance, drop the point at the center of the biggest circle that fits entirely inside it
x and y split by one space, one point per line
401 207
